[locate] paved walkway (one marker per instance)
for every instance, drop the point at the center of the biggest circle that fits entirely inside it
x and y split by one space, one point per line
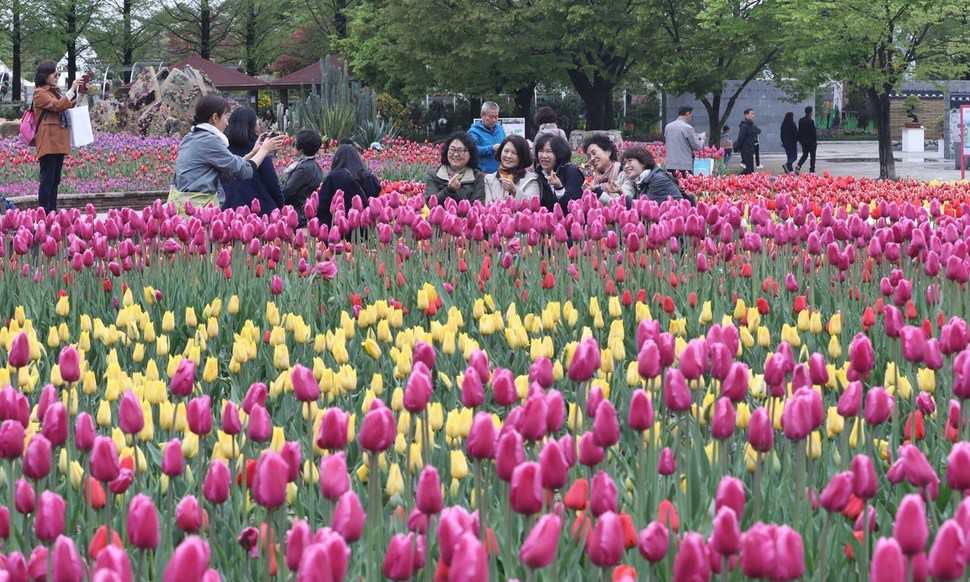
861 159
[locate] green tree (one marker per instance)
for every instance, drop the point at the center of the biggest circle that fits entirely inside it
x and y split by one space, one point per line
201 24
705 43
877 45
259 21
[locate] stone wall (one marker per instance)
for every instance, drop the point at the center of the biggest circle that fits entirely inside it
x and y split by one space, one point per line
769 102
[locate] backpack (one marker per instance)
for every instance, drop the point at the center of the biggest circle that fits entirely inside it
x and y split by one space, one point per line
28 127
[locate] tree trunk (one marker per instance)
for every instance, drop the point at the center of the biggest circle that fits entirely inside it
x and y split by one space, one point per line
340 19
127 48
597 95
251 37
879 100
71 42
15 41
523 106
205 29
715 120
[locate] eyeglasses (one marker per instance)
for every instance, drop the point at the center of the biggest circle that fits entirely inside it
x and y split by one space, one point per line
452 150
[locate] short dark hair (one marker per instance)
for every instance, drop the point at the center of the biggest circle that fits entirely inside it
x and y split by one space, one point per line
748 110
726 128
466 141
559 147
521 149
546 114
241 131
603 142
642 155
684 110
207 106
808 110
44 69
308 142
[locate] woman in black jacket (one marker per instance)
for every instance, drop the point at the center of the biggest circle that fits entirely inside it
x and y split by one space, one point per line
560 181
264 185
302 177
649 181
789 139
348 173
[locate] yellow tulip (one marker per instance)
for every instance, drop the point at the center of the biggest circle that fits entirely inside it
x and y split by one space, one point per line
926 380
211 370
459 465
63 307
707 314
803 319
815 445
395 481
834 422
835 324
815 324
168 322
764 337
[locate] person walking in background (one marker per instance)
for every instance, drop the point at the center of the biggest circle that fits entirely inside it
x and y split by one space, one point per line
808 138
264 185
789 140
488 134
303 176
747 135
53 138
682 140
727 144
547 122
348 173
457 175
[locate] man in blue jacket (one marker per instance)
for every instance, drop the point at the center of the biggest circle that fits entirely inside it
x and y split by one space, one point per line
488 135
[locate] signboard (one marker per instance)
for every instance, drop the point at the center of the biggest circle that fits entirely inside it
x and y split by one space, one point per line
964 139
513 125
703 166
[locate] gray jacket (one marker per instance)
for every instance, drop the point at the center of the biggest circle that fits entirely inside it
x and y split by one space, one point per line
203 160
682 141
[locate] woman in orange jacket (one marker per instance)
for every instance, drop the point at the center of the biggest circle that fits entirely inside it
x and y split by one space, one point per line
53 137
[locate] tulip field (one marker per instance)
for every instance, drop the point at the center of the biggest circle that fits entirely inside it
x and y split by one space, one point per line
768 386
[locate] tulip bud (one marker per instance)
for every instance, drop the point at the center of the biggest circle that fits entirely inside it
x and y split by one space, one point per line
586 360
142 524
606 542
864 482
188 514
349 517
49 519
104 460
269 480
539 548
947 559
334 479
525 489
215 487
69 365
190 561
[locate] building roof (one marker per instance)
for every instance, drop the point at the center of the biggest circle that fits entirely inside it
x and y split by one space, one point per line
311 74
222 77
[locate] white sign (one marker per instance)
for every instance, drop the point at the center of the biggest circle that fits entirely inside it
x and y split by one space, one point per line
513 125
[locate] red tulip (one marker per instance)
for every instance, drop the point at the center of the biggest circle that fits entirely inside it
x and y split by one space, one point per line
349 517
142 524
692 562
188 515
215 488
653 541
190 561
539 548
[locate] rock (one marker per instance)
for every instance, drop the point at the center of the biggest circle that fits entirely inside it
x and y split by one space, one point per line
9 129
577 137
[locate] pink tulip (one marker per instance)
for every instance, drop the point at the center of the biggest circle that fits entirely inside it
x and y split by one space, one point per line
478 360
199 415
606 426
509 454
958 467
24 498
124 480
585 362
379 429
334 479
104 460
215 488
864 481
260 427
188 514
789 554
730 493
653 541
417 392
257 394
539 548
429 498
472 391
349 517
400 558
761 434
131 417
66 564
525 489
482 437
603 494
648 360
676 395
850 400
276 285
113 560
693 360
469 561
173 461
640 415
879 406
722 423
504 392
49 519
297 539
292 454
861 355
540 372
534 417
183 381
735 384
691 562
910 528
269 480
590 454
424 353
305 386
84 432
37 458
605 543
455 522
11 439
55 424
835 496
554 468
667 462
190 561
142 524
947 559
69 364
555 411
231 424
19 354
888 562
333 429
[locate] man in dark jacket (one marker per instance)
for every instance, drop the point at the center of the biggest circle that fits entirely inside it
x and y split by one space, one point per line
808 138
747 136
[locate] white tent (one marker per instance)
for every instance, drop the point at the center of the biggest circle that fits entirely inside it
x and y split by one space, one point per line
6 77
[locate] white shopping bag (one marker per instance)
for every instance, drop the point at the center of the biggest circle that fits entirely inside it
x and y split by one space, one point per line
79 122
